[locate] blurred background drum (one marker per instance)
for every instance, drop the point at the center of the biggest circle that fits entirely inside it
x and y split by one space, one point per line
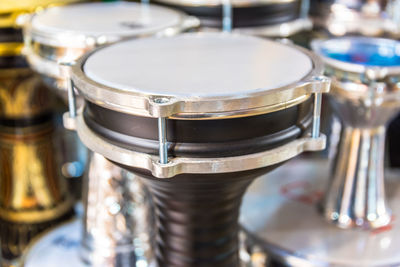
367 18
268 18
34 194
365 96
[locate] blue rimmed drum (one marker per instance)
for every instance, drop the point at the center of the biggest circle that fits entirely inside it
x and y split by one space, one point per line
198 117
365 94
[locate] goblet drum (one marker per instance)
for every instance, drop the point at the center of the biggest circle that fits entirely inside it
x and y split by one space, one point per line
198 117
33 193
365 95
113 234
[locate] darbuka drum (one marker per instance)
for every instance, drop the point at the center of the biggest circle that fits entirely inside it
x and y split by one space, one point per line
198 116
256 17
280 216
365 95
33 194
113 234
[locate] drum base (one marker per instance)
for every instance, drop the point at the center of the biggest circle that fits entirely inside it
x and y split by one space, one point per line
61 247
282 222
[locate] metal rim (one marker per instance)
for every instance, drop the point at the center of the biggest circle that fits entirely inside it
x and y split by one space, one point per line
179 165
372 72
282 30
207 108
89 42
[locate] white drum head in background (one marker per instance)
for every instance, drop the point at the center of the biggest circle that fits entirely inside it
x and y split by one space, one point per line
66 25
60 245
281 211
203 65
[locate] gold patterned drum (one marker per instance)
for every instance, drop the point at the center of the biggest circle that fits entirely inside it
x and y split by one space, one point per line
33 194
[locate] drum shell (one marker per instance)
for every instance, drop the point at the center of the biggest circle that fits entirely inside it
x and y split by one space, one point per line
201 138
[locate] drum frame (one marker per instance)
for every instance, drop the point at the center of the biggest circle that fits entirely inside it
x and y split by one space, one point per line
163 107
192 108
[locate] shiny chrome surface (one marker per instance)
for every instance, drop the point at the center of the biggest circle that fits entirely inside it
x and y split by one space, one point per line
356 194
281 30
45 58
368 18
280 214
365 99
118 222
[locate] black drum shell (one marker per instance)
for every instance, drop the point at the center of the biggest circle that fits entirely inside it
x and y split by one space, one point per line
250 16
201 138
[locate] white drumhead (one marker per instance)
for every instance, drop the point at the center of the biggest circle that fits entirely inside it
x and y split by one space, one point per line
280 209
203 65
102 19
59 247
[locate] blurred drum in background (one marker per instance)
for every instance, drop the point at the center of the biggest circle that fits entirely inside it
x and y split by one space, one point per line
367 18
33 193
269 18
117 226
285 228
365 95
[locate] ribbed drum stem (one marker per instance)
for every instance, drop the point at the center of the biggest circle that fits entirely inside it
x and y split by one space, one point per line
197 218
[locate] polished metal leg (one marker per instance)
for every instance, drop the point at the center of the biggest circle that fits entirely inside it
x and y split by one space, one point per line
356 195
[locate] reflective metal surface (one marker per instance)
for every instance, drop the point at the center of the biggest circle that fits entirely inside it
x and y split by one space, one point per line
118 221
180 165
365 96
49 41
280 214
368 18
220 104
33 193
